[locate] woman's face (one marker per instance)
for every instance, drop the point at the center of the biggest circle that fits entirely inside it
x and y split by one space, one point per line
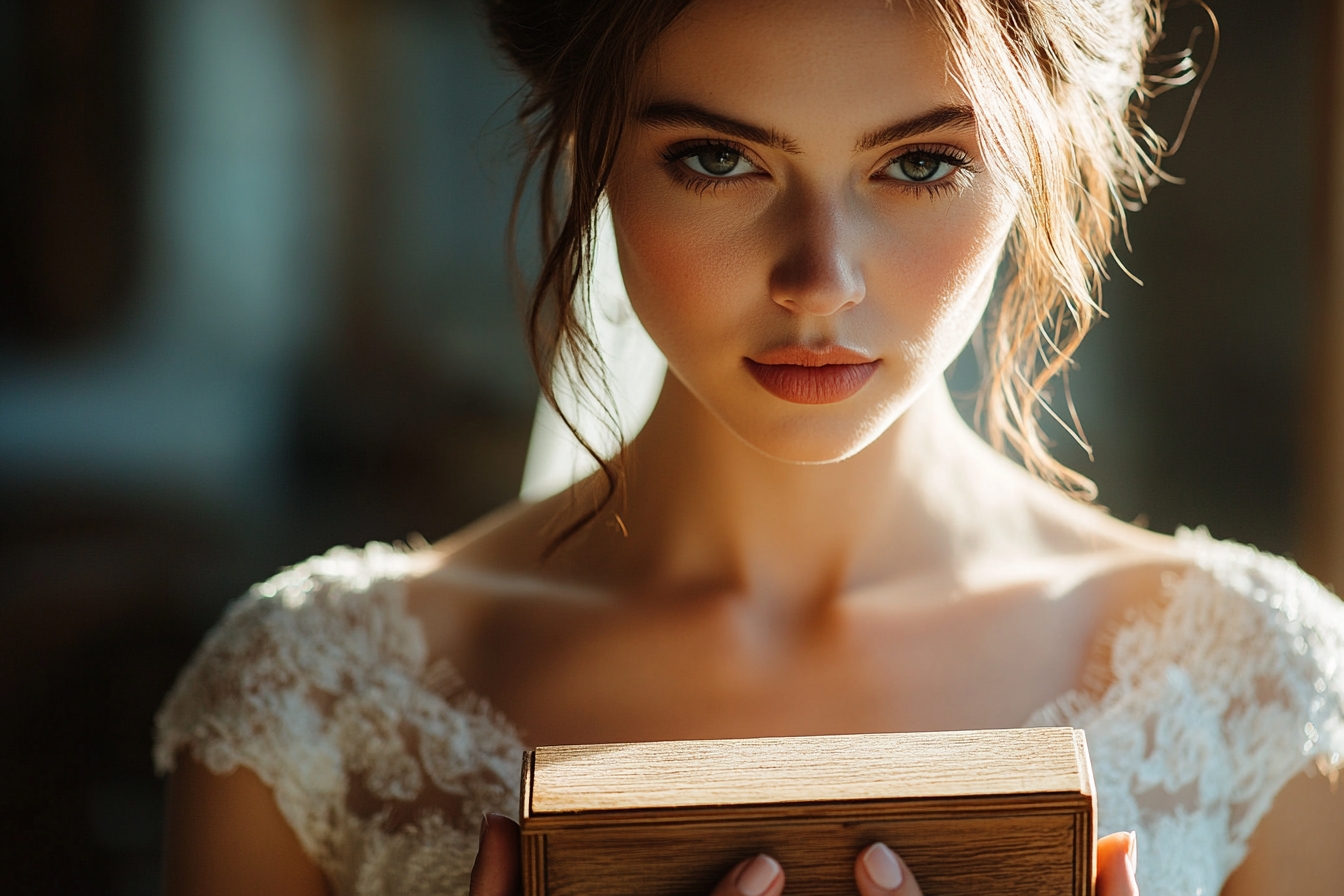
805 225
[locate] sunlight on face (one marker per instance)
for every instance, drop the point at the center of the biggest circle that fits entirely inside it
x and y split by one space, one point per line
805 225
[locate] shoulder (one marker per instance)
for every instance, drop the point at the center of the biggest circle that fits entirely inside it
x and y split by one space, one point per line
495 585
276 689
1295 848
1247 631
310 627
317 681
1233 608
1264 664
1198 603
1220 685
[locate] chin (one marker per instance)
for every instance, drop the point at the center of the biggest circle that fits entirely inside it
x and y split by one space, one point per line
812 439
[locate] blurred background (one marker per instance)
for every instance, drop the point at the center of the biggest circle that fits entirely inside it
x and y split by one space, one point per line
254 303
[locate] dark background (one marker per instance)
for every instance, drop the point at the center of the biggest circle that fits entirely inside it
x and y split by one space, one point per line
253 303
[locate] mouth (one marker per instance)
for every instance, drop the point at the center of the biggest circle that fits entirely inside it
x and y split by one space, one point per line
811 376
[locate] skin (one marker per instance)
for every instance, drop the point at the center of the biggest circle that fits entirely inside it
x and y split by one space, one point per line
781 568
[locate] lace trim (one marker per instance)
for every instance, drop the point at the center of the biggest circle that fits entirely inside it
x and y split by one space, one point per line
1214 703
317 681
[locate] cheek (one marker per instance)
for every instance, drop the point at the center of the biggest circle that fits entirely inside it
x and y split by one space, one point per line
931 273
690 266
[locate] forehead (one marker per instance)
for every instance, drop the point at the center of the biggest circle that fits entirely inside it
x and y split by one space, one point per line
820 66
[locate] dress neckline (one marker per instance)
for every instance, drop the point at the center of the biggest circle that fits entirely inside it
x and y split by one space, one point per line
1195 546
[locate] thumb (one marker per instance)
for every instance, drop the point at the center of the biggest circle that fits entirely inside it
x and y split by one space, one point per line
498 870
880 872
1117 863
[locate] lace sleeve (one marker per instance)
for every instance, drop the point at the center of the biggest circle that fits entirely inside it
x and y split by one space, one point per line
1282 656
317 682
1232 689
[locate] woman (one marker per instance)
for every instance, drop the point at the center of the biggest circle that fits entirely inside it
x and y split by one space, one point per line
811 201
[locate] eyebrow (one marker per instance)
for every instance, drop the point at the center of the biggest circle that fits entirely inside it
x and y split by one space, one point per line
960 117
690 115
676 114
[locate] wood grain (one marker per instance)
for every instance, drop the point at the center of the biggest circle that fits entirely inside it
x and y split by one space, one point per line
803 769
947 855
1002 812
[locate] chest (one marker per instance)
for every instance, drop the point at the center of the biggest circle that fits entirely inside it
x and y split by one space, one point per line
728 668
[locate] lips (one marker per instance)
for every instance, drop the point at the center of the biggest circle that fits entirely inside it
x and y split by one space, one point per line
811 376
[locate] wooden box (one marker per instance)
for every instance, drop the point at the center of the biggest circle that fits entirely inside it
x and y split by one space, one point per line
971 812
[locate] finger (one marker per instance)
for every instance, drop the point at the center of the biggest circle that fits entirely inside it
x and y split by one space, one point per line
497 871
1117 865
880 872
757 876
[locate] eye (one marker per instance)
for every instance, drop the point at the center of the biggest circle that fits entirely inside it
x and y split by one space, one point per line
718 162
921 167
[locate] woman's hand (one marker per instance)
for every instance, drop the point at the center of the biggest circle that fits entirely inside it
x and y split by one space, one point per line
498 870
758 876
877 871
1117 863
880 872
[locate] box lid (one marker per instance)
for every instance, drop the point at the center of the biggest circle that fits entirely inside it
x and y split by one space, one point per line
760 771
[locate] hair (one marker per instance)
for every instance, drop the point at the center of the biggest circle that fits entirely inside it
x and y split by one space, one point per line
1060 94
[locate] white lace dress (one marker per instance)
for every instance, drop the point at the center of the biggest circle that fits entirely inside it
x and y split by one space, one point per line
317 681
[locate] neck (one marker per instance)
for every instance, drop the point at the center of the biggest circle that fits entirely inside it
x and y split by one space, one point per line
707 511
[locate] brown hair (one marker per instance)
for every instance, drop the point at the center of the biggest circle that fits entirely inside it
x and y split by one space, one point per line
1059 91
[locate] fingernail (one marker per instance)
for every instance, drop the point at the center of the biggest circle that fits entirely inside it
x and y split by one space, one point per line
883 866
1132 856
485 824
757 877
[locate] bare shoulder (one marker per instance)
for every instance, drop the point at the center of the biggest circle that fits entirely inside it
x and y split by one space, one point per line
493 605
1298 848
1104 573
226 835
1122 562
515 538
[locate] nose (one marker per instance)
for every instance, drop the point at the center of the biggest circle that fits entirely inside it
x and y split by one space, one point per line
819 272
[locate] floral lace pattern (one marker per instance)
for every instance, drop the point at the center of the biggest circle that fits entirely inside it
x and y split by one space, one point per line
382 764
317 681
1233 689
